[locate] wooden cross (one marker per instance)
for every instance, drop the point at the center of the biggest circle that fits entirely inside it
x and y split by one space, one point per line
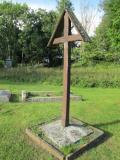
64 26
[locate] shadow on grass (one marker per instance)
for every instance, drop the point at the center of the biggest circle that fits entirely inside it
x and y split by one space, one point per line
107 124
99 140
12 82
92 145
8 112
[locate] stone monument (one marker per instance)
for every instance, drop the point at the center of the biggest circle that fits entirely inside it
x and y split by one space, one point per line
63 128
8 63
66 131
5 96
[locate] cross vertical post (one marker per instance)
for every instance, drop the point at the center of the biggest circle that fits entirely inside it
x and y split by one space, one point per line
66 74
64 26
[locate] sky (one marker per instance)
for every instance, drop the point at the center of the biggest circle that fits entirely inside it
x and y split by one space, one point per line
51 5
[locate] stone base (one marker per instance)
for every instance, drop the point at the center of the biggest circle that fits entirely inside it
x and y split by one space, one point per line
5 96
52 99
69 135
61 136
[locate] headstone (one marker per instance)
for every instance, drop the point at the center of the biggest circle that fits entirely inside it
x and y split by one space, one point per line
24 96
8 63
52 99
5 96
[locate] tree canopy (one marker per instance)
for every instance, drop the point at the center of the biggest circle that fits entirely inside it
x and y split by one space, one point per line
24 34
62 4
105 45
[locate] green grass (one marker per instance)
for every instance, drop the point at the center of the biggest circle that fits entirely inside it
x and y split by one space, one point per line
98 76
101 109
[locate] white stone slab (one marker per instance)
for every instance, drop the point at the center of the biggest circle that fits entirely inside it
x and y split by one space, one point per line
5 96
65 136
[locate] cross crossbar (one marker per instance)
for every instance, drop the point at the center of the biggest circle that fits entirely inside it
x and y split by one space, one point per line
69 38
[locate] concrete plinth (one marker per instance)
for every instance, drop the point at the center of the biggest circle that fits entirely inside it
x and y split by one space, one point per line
54 138
5 96
65 136
52 99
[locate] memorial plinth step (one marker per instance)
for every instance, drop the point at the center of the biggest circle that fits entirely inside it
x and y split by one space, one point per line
52 99
5 96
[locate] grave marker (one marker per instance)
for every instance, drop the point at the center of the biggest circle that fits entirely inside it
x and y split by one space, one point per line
64 26
54 136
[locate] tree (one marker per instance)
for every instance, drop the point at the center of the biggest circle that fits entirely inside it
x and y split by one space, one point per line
108 32
24 33
61 4
112 18
105 46
10 16
88 15
36 31
30 38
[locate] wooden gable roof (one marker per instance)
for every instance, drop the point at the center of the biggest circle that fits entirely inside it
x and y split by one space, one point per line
60 27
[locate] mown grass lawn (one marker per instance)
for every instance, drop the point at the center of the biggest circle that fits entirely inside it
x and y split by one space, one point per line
101 108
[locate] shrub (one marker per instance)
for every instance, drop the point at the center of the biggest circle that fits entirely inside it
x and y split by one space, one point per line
15 98
1 63
98 76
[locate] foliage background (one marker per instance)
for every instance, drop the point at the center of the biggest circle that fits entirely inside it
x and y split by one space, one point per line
24 35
